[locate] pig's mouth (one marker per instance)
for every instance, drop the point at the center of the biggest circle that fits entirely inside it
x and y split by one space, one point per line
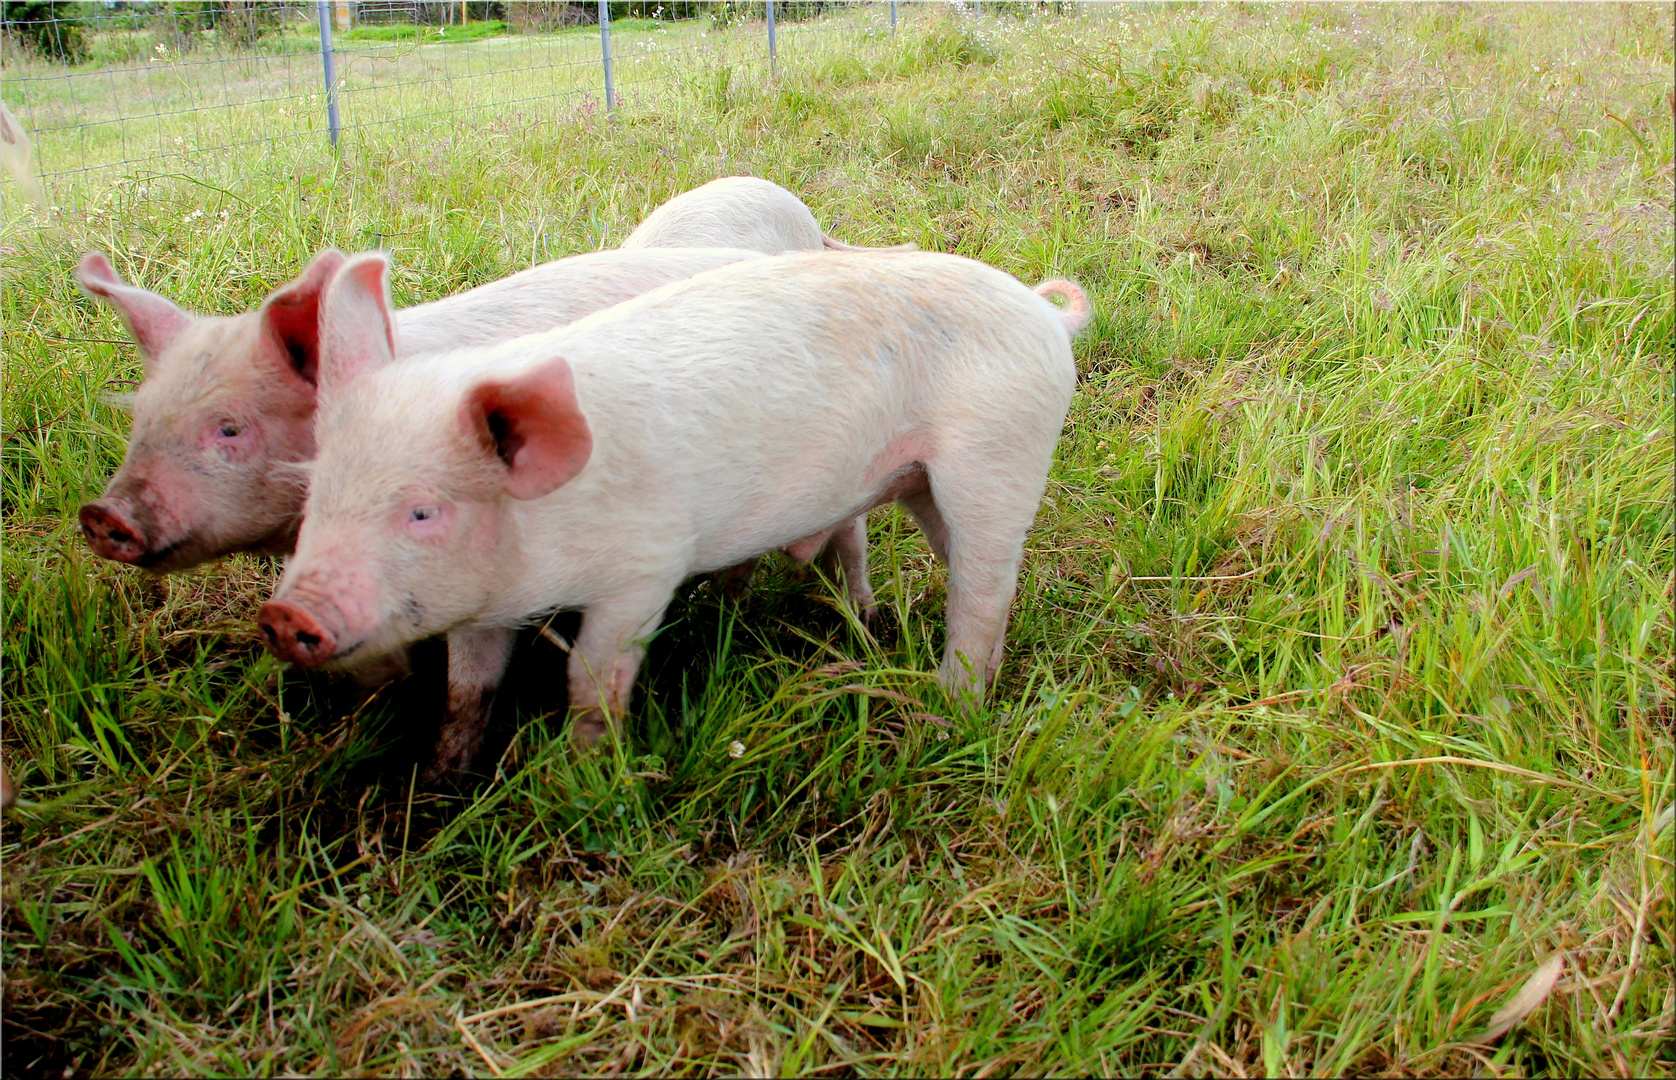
197 547
157 557
346 654
182 553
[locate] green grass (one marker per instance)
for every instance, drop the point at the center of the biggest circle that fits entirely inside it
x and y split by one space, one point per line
439 35
1339 687
476 31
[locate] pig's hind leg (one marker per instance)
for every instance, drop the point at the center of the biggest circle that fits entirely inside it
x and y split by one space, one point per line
924 511
477 658
975 514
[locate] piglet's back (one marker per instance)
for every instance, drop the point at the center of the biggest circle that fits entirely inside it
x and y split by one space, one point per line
834 315
550 295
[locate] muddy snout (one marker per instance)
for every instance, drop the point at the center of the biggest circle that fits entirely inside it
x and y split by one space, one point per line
292 633
113 532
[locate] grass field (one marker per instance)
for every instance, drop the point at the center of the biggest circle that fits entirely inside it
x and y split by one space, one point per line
1336 730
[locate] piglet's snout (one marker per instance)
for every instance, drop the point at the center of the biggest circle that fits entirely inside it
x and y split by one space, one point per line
112 532
291 633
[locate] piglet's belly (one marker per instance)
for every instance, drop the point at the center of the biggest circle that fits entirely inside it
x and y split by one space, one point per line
802 537
801 523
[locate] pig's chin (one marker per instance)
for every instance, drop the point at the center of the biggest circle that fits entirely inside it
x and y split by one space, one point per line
196 547
168 558
281 541
372 648
347 660
182 554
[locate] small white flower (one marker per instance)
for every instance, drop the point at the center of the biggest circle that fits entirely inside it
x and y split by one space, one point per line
735 749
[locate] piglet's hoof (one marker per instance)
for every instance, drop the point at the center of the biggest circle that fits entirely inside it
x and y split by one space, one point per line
456 747
591 732
440 772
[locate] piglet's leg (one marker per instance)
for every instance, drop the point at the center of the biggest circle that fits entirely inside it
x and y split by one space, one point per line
477 657
734 582
982 510
606 657
848 549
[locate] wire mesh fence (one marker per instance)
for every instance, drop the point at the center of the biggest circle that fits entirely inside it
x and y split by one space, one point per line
138 90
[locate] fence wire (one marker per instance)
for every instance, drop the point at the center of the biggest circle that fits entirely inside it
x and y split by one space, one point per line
150 89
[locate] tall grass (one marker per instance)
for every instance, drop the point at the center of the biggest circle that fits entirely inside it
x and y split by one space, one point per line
1339 688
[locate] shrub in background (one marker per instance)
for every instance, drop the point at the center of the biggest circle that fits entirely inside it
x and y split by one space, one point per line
53 30
235 22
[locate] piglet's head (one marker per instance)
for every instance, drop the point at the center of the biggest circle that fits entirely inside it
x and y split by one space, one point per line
223 416
405 532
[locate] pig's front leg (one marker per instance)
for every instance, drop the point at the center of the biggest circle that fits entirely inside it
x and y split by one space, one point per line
477 657
606 657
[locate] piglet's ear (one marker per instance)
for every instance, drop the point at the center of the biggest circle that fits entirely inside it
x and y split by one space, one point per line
290 317
357 323
533 424
154 321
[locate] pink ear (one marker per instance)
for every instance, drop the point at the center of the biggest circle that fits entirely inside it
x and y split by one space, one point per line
154 321
534 424
290 316
357 325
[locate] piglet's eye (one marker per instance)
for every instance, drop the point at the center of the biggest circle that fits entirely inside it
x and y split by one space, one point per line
423 513
229 429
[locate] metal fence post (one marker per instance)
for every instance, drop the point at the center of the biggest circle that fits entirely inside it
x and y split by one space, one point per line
773 57
328 62
605 54
893 16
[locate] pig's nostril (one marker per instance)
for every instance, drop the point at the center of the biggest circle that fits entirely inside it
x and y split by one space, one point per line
117 536
307 640
268 634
